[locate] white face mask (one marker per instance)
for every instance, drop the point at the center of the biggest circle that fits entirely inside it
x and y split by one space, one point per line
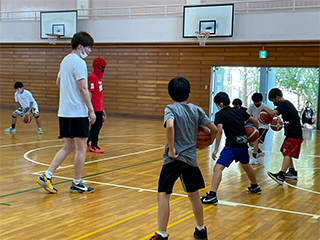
84 54
219 108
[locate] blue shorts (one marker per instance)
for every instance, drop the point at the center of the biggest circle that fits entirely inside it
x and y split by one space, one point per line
228 154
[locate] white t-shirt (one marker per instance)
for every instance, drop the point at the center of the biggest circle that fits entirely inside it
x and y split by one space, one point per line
25 99
254 111
71 104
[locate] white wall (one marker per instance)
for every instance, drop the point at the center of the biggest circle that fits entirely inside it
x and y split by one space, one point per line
249 27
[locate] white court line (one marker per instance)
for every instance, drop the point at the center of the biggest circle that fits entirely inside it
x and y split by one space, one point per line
307 190
17 144
98 160
221 202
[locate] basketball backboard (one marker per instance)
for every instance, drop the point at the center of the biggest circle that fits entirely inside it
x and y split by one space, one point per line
63 23
217 19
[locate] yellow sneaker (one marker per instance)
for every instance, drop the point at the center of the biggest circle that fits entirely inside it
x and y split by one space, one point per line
46 184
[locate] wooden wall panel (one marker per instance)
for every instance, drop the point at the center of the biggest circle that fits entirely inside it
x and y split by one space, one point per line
136 77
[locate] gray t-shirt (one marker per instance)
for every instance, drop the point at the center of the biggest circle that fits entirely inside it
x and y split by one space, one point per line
187 118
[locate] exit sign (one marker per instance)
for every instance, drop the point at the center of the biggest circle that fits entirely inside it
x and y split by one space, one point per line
262 54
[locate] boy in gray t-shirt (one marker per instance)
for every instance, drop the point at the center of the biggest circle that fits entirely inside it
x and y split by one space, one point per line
181 121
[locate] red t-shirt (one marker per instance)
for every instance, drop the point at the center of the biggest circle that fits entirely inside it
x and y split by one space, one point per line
96 88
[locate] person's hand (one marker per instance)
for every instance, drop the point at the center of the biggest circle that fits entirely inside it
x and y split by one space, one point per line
214 154
27 113
172 153
92 118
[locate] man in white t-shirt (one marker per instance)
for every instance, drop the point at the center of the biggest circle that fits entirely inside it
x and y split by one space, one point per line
75 113
25 104
254 110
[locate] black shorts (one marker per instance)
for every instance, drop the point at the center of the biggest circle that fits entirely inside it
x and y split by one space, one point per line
74 127
191 177
262 134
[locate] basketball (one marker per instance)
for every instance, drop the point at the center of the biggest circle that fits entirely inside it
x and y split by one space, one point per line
252 133
203 137
26 119
276 124
264 117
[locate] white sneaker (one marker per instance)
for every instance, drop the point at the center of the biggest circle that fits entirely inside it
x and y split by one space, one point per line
250 149
253 160
10 129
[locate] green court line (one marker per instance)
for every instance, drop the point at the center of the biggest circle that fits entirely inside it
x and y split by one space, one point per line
5 204
92 175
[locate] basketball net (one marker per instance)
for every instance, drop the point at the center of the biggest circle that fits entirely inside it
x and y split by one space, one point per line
202 37
52 38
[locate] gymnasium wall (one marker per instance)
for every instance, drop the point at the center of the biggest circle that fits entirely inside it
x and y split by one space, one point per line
136 77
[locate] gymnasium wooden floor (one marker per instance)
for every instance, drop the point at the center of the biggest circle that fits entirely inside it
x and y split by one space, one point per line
124 205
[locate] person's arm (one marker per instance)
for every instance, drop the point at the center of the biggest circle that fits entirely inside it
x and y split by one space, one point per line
270 111
214 131
86 98
17 105
104 114
170 138
30 107
58 82
218 139
254 122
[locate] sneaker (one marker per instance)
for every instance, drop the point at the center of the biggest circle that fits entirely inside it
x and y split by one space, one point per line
88 147
46 183
279 178
80 188
210 198
201 234
40 131
253 160
255 189
10 129
291 174
96 149
157 236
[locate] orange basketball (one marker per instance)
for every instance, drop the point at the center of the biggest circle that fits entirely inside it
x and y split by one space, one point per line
276 124
26 119
252 133
264 117
203 137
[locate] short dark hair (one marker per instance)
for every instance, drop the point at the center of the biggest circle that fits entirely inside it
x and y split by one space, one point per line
257 97
222 97
82 38
274 92
309 102
237 101
179 89
18 85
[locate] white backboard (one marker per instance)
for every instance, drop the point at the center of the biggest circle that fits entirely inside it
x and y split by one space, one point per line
63 23
218 19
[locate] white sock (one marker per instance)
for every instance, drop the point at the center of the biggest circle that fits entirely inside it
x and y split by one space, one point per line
163 234
77 181
48 174
200 227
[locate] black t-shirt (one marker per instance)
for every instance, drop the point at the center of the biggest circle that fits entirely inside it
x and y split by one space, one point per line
307 115
291 119
232 120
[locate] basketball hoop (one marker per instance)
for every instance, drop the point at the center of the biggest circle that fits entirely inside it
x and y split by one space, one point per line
52 38
202 37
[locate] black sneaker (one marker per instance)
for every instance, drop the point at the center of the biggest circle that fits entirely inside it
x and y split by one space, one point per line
254 189
80 188
201 234
292 174
157 236
210 198
278 177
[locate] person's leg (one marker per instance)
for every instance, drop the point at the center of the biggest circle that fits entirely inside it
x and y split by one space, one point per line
196 207
95 129
80 156
14 119
217 176
38 121
163 211
62 154
250 173
286 163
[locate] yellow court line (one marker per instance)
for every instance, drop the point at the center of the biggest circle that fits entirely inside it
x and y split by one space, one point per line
121 221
